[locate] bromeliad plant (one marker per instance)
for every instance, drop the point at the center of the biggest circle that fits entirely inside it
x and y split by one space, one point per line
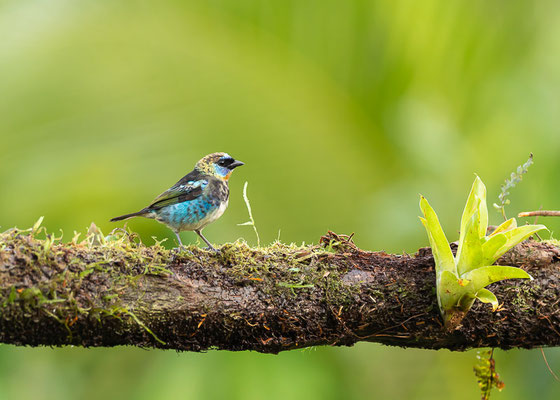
462 279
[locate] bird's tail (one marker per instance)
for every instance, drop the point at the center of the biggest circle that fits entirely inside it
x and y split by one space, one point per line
125 216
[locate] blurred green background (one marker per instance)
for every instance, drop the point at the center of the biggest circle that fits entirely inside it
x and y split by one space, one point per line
343 111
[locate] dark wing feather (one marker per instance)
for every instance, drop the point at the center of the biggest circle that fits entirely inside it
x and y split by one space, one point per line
188 188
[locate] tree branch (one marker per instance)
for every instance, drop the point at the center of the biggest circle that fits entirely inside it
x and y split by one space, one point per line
111 291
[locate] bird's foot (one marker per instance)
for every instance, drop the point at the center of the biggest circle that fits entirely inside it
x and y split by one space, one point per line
213 249
179 249
176 251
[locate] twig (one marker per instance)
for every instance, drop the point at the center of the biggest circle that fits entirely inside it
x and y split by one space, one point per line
548 366
540 213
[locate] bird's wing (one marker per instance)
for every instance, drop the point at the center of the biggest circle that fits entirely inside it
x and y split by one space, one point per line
182 191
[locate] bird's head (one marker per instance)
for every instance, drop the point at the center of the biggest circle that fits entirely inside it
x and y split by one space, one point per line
219 165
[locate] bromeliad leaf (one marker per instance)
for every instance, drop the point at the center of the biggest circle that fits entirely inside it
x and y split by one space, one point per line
487 296
449 292
438 241
477 193
500 243
484 276
476 205
450 289
505 226
471 254
434 247
517 235
492 247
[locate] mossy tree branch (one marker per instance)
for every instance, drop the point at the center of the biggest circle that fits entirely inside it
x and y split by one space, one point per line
108 293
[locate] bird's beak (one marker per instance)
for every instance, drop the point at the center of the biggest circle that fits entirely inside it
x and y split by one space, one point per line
235 164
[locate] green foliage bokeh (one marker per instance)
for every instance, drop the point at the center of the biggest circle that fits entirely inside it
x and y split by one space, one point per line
343 111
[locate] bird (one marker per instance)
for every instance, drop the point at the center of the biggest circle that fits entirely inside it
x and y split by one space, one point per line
196 200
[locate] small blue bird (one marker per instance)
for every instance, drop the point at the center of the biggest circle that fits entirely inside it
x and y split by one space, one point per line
199 198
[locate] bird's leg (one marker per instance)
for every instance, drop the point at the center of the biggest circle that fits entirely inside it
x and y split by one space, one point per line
181 245
177 250
210 247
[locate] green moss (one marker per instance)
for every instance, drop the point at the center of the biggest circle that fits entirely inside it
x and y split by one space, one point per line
10 298
58 281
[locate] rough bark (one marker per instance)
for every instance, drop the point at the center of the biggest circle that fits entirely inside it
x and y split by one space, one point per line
116 292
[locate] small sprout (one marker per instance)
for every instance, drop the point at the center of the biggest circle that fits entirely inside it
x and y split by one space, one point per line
76 237
510 183
37 225
461 279
251 221
157 242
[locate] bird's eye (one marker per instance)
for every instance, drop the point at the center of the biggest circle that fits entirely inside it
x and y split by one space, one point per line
224 162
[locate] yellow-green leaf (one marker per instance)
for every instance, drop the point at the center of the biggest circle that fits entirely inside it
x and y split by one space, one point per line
482 209
484 276
433 246
466 301
491 248
487 296
449 291
505 226
475 201
469 253
516 236
438 241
